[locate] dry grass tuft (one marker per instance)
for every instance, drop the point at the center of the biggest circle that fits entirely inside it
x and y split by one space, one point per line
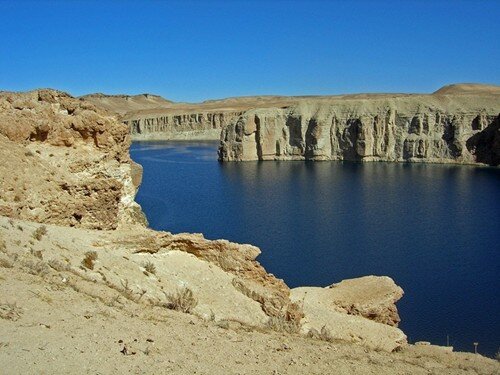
39 268
40 232
37 253
6 263
3 246
150 267
58 265
288 319
10 311
89 260
183 300
281 324
325 334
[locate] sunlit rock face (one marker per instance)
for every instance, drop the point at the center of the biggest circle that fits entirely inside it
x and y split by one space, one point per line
449 127
65 162
184 126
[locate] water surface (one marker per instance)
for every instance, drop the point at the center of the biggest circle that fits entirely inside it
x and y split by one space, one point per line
433 228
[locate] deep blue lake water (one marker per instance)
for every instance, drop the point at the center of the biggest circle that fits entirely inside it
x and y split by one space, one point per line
435 229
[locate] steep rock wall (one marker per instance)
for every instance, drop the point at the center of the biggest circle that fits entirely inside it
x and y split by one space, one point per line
414 128
65 162
181 126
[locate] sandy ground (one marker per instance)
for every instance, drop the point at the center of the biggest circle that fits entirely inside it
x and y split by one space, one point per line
60 322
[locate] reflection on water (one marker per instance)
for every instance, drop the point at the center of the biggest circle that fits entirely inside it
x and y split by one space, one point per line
433 228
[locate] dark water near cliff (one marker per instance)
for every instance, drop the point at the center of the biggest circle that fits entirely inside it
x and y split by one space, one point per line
434 229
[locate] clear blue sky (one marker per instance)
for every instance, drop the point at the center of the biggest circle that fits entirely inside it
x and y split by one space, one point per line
196 50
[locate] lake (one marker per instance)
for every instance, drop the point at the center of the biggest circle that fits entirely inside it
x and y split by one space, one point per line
435 229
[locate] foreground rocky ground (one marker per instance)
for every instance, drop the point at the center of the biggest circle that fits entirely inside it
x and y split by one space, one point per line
85 287
57 316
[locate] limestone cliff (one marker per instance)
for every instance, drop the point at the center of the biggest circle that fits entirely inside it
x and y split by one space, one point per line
151 117
453 125
196 125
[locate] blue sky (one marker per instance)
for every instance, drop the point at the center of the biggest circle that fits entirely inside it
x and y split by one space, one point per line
197 50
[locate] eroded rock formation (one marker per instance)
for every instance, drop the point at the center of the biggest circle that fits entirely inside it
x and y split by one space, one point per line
445 127
65 162
151 117
180 126
370 297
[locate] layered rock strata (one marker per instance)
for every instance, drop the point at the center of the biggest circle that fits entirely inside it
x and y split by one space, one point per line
151 117
445 127
179 126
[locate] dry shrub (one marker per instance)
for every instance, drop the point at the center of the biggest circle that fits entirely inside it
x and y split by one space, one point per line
183 300
37 253
288 319
326 335
6 263
150 267
281 324
40 232
37 268
10 311
89 260
126 290
58 265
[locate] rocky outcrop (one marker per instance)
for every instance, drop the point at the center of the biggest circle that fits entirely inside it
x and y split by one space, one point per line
442 127
360 310
373 297
250 278
65 162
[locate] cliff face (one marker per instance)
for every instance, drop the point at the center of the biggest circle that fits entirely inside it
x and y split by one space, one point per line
179 126
65 162
444 128
150 117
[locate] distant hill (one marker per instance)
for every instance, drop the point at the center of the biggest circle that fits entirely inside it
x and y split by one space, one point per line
468 89
122 104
